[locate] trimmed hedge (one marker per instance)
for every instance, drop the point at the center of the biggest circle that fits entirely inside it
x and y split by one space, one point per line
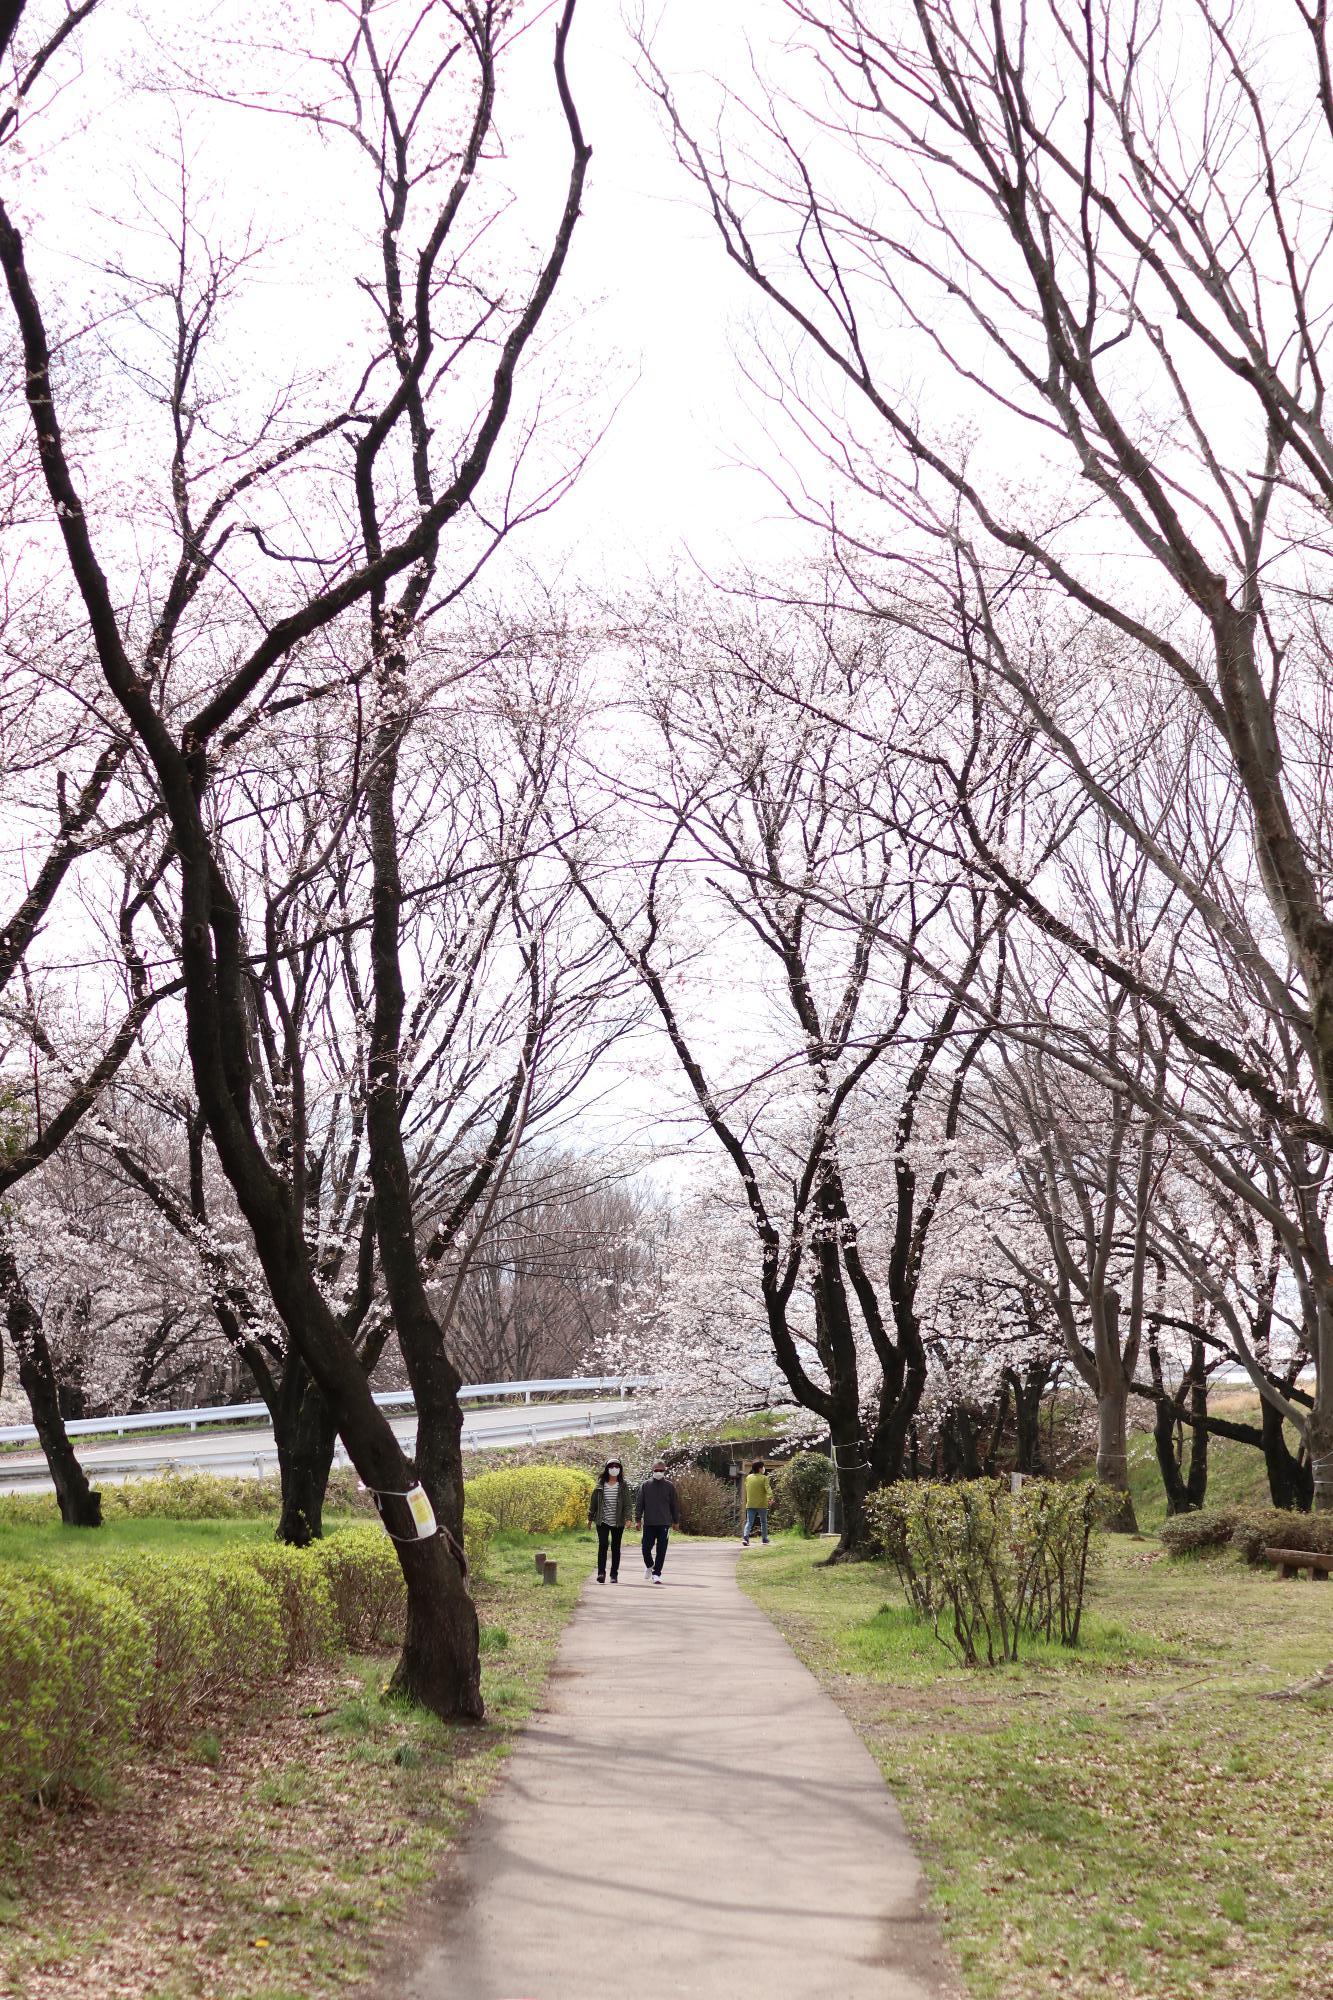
478 1530
188 1496
1275 1528
533 1499
143 1648
74 1655
544 1494
1190 1534
305 1603
365 1585
1250 1530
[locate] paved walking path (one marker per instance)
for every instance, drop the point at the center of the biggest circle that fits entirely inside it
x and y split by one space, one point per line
689 1815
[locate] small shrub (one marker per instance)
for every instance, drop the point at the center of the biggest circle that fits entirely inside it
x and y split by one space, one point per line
30 1510
888 1512
533 1499
1275 1528
987 1566
366 1586
305 1603
705 1503
192 1496
1188 1534
478 1532
1054 1552
174 1603
29 1693
800 1493
246 1643
91 1678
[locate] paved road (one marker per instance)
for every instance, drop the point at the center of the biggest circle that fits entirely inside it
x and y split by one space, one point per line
690 1815
253 1451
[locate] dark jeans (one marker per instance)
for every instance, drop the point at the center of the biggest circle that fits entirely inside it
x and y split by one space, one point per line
654 1548
608 1536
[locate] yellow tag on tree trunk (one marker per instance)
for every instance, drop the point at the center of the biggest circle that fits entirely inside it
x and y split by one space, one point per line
422 1512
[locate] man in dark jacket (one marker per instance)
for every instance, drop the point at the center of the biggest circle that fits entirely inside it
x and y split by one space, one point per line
659 1510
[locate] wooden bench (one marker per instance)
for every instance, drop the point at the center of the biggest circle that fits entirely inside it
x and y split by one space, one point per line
1292 1561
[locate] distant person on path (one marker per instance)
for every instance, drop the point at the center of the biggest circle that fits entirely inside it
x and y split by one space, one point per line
659 1509
758 1500
608 1511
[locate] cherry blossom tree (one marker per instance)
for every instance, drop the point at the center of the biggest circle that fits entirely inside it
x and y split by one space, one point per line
1132 311
294 551
792 867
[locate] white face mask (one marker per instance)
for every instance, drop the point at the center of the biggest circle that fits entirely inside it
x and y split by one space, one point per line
612 1478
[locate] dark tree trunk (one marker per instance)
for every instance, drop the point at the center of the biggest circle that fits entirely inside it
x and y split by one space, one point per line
996 1421
1168 1443
868 1457
1184 1494
960 1457
1196 1486
1290 1479
306 1445
855 1483
1028 1388
441 1646
80 1505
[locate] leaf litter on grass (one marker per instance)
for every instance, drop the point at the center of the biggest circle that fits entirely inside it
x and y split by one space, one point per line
1135 1820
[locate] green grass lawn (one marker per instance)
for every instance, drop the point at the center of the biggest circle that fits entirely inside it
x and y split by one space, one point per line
50 1542
275 1855
1140 1818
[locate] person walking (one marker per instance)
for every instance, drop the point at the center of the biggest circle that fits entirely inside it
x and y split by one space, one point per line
658 1507
608 1511
758 1500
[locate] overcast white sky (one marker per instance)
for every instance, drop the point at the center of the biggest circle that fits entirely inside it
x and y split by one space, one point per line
651 316
676 466
658 316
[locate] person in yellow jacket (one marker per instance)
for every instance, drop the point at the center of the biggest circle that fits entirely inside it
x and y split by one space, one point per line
758 1500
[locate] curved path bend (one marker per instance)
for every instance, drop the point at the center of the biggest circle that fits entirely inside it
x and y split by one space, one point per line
688 1815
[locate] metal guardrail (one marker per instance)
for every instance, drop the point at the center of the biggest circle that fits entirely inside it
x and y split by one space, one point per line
388 1399
261 1456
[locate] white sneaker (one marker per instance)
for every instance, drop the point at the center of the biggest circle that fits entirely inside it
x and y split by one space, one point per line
647 1573
656 1578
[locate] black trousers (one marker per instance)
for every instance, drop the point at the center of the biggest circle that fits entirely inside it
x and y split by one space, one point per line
608 1536
654 1548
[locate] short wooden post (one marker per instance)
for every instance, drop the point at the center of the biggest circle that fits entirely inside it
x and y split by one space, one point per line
549 1573
540 1560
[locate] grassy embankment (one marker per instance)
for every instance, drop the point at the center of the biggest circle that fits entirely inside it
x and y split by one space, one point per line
1147 1817
1236 1476
274 1855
